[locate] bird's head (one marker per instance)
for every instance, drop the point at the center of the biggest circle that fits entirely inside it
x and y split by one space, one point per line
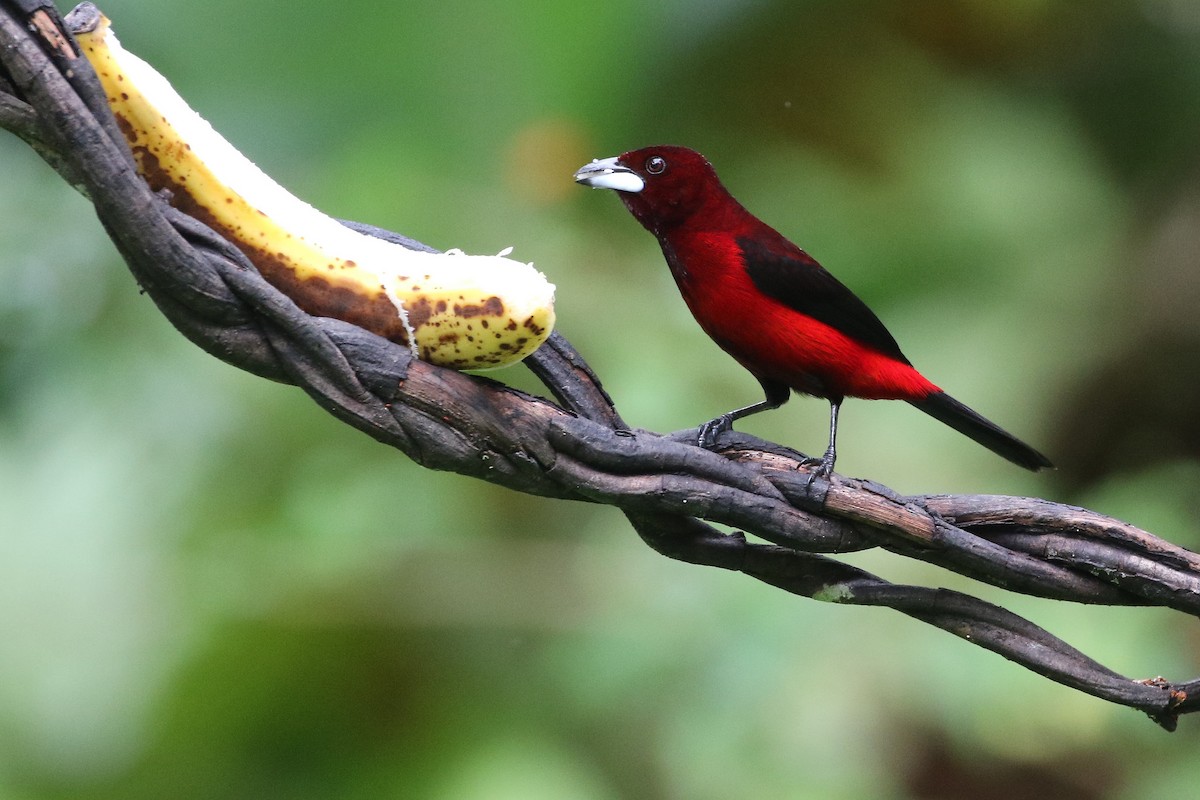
661 186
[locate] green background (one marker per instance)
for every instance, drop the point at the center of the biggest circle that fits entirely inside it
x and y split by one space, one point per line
211 589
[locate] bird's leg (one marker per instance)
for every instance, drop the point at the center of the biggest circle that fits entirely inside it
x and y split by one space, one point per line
710 430
777 395
830 452
824 464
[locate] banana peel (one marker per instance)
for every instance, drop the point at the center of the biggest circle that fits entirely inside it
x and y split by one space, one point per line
451 309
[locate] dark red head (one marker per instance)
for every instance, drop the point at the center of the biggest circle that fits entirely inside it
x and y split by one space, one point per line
663 187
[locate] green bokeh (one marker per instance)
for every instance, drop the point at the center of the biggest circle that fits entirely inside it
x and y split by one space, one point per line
211 589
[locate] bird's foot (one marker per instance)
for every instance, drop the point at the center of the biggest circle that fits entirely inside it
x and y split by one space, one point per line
824 464
709 432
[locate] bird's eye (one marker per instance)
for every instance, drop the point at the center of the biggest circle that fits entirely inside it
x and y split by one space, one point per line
655 165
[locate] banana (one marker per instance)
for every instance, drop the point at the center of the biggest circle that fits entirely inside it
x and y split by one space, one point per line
450 309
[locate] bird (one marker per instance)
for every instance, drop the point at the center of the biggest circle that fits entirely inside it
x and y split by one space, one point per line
772 307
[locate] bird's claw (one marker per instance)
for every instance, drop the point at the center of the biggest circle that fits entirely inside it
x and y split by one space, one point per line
709 432
824 464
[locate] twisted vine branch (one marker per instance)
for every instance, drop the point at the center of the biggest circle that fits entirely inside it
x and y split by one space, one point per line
578 448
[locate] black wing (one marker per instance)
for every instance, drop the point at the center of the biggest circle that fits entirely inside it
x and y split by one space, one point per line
800 283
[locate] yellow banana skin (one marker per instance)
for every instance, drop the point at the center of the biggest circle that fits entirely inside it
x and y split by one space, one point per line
450 309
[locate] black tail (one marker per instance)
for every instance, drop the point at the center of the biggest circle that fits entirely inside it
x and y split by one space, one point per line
945 408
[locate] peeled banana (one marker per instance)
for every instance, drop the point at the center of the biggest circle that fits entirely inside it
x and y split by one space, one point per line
451 309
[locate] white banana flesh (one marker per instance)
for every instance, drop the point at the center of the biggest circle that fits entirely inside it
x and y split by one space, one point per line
451 309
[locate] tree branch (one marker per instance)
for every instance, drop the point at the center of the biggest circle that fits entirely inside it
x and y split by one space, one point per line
577 448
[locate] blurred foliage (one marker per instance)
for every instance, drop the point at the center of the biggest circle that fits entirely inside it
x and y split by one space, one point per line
212 590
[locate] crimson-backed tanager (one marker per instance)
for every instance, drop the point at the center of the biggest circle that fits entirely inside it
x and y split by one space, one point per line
771 306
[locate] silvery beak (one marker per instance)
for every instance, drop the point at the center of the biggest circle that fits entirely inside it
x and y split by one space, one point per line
608 173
